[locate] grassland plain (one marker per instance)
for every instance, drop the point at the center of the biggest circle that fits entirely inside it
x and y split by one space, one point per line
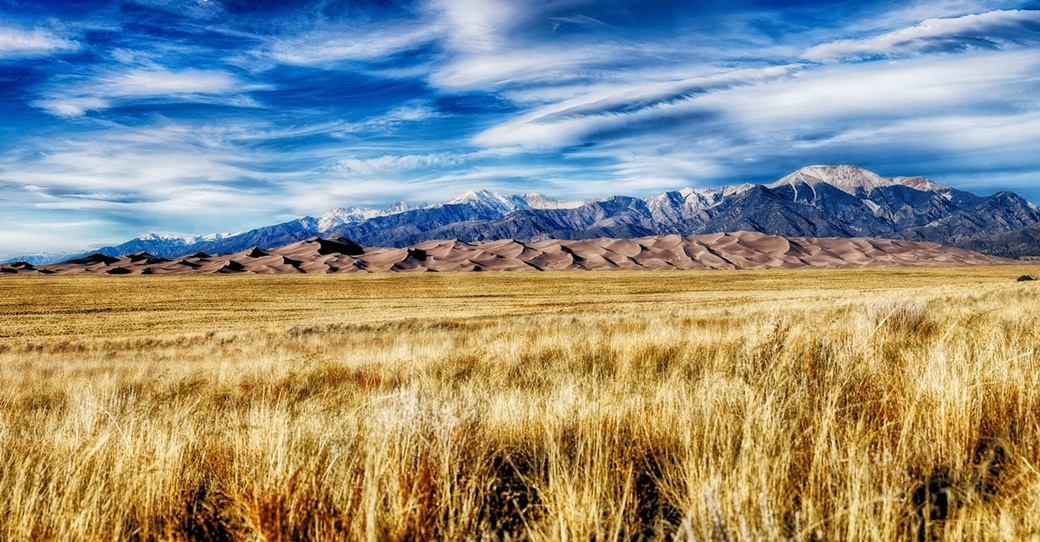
756 405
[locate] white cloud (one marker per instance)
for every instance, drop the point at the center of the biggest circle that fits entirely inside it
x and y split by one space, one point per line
784 103
159 82
488 46
883 92
986 30
462 28
35 239
663 171
108 89
568 122
72 106
412 112
352 43
477 26
523 66
418 186
15 42
396 163
909 13
956 133
970 110
166 177
123 164
198 177
481 45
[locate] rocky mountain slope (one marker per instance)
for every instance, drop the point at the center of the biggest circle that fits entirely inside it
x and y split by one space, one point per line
815 201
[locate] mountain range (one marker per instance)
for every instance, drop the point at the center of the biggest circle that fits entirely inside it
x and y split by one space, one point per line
816 201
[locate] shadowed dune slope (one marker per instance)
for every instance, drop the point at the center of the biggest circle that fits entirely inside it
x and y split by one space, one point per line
738 250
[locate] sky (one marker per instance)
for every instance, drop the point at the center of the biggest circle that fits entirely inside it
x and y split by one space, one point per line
123 117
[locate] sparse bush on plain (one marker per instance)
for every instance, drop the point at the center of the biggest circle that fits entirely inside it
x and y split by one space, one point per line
639 406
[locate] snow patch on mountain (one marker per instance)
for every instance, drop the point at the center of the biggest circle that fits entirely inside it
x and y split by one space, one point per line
675 206
345 215
356 215
44 258
508 203
501 203
178 239
919 183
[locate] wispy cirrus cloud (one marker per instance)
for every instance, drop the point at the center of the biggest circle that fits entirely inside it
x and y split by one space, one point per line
465 44
477 26
989 30
189 177
20 43
949 115
491 44
349 43
112 88
153 163
915 89
882 114
396 163
430 185
164 176
539 66
569 122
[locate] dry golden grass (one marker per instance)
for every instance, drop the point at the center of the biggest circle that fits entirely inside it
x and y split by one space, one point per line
800 405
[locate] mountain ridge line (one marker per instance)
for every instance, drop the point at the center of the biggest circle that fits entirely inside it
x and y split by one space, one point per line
814 201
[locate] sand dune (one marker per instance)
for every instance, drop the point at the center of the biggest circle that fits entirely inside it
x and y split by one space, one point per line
739 250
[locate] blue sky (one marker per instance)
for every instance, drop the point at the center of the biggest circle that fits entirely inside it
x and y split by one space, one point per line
194 116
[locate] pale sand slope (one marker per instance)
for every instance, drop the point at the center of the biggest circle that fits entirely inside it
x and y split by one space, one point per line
739 250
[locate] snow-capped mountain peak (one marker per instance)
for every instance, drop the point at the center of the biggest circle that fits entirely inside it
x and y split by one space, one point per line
716 193
401 207
504 204
476 196
694 198
345 215
851 179
919 183
175 239
355 215
161 237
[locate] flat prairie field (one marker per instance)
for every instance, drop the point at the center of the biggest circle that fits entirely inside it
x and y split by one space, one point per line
878 404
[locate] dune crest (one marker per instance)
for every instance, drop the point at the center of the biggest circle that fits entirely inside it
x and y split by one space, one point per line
735 250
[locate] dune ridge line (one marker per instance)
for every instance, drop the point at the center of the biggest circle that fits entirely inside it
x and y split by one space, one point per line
733 250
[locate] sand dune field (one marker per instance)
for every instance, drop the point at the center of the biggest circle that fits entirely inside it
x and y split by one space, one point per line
739 250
